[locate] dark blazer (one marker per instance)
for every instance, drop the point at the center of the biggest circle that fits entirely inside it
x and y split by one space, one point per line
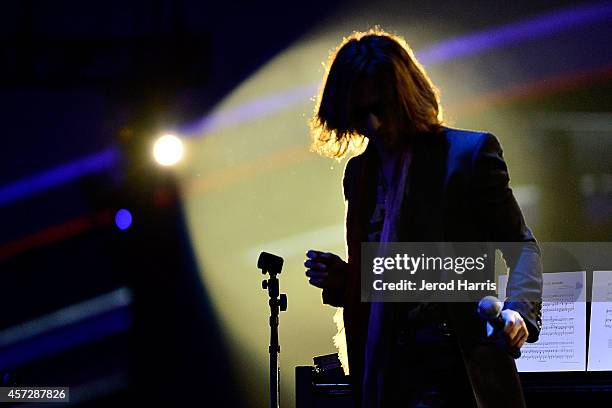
459 192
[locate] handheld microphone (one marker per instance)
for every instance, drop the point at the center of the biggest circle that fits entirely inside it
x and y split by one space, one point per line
489 309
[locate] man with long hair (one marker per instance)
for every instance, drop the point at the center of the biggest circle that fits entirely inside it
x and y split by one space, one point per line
420 181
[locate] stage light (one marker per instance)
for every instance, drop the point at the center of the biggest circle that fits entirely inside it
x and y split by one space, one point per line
123 219
168 150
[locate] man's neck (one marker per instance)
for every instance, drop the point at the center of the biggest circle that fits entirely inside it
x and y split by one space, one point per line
389 155
389 152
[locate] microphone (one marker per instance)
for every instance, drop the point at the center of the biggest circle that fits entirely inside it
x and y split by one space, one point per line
489 309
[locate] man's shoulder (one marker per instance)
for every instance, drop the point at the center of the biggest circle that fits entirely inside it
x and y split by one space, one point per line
464 139
355 162
354 167
460 142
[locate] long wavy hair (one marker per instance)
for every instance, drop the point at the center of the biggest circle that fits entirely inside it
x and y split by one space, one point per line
385 57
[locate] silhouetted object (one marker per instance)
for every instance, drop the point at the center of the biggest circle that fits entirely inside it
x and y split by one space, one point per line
273 265
316 388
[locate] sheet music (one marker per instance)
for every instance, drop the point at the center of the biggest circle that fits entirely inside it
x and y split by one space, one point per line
600 338
562 343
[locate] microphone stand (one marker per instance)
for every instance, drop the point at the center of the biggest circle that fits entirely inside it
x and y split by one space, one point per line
273 264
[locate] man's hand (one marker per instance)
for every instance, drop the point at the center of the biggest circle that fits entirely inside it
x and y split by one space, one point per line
325 270
515 329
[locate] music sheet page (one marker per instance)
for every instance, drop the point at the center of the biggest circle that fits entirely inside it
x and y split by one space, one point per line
600 338
562 343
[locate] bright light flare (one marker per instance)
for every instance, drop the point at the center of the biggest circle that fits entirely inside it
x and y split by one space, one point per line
168 150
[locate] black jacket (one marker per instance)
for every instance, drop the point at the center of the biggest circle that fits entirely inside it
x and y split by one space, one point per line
459 192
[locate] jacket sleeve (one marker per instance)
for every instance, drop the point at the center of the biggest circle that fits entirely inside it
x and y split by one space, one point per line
336 297
500 216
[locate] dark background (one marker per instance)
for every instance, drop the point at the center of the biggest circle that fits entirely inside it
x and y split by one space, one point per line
80 78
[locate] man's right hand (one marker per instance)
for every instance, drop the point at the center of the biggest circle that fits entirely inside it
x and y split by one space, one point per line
325 270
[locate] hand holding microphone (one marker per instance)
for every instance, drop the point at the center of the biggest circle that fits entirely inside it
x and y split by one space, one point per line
508 321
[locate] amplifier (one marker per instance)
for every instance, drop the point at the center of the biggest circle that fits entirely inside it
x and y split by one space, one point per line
314 389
